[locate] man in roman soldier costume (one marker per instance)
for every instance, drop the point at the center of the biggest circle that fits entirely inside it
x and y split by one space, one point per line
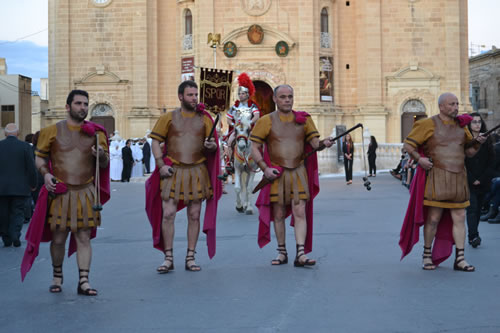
281 142
66 156
243 107
439 192
186 174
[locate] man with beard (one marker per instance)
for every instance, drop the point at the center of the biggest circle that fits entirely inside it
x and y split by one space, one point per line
287 136
186 174
440 193
128 161
66 155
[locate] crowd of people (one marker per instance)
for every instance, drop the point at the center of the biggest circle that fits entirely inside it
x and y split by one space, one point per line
450 167
130 158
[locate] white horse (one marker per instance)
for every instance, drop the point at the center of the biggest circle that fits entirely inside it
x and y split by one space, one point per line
244 166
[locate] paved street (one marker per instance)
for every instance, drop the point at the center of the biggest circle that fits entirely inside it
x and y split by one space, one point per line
358 285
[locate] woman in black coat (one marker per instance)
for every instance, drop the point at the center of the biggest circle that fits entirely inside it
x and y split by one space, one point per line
479 174
372 156
348 150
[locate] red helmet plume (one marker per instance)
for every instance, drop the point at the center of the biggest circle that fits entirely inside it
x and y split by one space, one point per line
245 81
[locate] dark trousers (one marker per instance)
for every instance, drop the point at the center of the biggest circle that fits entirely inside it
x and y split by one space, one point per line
11 217
474 212
147 163
495 192
348 169
126 172
371 163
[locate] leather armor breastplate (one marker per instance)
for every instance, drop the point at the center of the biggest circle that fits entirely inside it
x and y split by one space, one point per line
446 146
185 138
286 142
71 155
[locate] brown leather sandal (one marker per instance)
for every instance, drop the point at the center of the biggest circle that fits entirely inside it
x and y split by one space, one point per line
459 253
428 255
281 251
57 273
84 278
193 267
164 269
301 253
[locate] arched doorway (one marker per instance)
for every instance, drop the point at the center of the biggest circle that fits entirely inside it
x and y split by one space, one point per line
263 97
413 110
102 114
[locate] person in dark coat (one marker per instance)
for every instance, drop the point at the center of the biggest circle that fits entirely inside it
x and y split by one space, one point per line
17 180
128 161
372 156
348 150
479 175
146 155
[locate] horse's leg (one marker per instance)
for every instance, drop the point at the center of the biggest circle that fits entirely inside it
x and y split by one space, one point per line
249 210
237 186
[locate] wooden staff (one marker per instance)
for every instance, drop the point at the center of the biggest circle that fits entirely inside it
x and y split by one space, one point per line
214 126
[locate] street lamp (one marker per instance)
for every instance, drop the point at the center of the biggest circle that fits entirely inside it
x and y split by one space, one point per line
214 40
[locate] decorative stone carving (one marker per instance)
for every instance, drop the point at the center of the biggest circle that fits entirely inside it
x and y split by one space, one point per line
187 42
326 41
101 110
413 105
255 34
256 7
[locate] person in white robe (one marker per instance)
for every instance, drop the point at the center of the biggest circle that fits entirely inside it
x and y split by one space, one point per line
116 163
137 170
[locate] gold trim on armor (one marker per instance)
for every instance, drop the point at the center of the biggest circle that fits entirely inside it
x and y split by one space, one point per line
182 181
73 209
291 185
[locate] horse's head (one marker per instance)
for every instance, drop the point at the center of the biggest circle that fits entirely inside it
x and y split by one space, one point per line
242 132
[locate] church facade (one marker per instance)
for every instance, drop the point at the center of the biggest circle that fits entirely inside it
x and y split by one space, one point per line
376 62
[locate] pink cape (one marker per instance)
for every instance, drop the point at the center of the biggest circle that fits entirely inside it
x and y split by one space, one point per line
416 214
264 202
39 231
154 208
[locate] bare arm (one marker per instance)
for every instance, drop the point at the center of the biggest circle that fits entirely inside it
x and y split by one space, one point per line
474 146
165 170
269 172
321 144
42 166
424 162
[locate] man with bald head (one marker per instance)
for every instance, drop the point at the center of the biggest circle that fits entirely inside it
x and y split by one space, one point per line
17 180
439 145
280 142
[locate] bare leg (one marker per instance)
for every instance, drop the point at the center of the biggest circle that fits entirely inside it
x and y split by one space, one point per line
83 258
57 250
430 229
299 214
167 233
193 232
279 229
458 217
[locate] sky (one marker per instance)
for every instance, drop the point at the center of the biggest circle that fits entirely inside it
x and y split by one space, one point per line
24 34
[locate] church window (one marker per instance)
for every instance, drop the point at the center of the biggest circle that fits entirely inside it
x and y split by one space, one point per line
188 30
325 35
189 22
8 115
